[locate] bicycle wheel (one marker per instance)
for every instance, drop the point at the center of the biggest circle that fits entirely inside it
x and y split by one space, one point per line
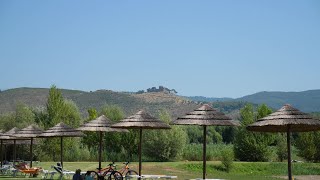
131 172
115 175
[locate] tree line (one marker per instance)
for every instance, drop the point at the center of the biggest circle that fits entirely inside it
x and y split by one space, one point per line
179 143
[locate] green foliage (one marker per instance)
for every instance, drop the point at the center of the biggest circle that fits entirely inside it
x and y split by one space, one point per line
113 112
22 117
308 146
93 114
227 159
281 152
112 140
251 146
54 105
195 134
91 138
164 145
193 152
59 110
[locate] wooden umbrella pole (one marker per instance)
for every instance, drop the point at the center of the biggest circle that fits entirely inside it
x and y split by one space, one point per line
14 152
140 141
1 153
204 152
31 155
61 150
289 153
100 149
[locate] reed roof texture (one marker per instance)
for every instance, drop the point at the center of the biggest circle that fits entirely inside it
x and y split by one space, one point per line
9 135
20 142
31 131
205 116
141 120
61 130
284 118
3 136
101 124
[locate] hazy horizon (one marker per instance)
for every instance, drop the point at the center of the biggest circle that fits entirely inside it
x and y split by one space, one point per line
194 95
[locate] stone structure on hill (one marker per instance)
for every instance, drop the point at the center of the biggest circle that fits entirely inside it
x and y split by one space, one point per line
160 89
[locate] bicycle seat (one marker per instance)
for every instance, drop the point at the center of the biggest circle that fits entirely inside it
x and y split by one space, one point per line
112 164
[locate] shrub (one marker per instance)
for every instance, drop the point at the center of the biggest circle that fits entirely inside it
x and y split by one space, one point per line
281 148
193 152
227 159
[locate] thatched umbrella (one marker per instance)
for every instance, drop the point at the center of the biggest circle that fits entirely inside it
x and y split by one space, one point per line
6 139
1 140
101 124
141 120
8 135
31 132
287 119
205 116
61 130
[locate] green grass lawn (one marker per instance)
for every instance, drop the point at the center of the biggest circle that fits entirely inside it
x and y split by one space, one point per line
189 170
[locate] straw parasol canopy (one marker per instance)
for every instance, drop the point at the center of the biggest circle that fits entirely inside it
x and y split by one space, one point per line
61 130
205 116
20 142
1 140
287 119
9 136
141 120
101 124
31 132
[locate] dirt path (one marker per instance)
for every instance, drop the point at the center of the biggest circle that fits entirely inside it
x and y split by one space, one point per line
306 177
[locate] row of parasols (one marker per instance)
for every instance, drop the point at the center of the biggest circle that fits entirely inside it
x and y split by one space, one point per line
287 119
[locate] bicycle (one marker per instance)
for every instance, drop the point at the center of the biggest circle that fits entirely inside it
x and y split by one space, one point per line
125 170
108 173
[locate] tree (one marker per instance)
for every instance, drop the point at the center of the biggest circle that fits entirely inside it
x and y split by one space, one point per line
308 144
55 105
282 148
251 146
164 145
59 110
91 138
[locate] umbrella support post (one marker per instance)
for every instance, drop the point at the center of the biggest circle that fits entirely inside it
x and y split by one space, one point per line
204 152
31 155
14 152
100 149
140 141
1 153
289 153
61 149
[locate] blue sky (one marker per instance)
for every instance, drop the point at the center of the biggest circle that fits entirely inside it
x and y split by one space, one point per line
208 48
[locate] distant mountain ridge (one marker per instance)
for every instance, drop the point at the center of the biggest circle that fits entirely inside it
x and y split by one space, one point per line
307 101
208 99
130 102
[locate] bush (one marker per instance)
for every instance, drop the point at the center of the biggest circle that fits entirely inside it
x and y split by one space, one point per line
281 151
227 159
252 146
164 145
193 152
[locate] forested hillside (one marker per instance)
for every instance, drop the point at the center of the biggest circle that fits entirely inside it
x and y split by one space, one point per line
130 103
307 101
